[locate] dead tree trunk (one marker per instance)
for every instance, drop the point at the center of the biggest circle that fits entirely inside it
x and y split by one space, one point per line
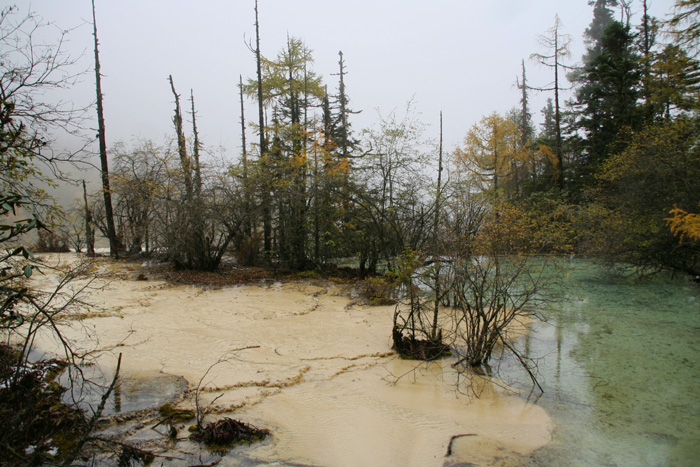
89 231
109 215
437 285
182 144
266 201
247 222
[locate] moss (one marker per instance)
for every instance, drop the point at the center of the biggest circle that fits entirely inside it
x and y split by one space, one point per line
168 411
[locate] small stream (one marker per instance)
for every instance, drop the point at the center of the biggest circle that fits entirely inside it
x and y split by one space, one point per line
620 366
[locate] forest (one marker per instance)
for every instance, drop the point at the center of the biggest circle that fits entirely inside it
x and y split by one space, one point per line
610 173
613 174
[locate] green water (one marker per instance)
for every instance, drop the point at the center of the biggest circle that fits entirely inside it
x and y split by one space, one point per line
620 366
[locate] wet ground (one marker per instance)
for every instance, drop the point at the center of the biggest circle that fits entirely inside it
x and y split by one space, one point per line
300 359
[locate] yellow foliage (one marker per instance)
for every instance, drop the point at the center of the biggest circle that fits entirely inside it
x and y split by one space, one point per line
490 149
684 224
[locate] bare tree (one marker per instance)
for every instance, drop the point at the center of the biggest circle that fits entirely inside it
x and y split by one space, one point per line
248 224
262 156
437 266
496 282
89 228
195 232
33 75
107 193
185 163
558 46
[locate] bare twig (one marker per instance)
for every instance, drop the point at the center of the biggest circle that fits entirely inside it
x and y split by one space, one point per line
98 413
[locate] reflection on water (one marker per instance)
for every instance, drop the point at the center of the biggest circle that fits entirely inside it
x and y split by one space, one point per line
132 392
621 370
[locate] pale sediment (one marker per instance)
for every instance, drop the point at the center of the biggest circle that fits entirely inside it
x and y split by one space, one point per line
295 359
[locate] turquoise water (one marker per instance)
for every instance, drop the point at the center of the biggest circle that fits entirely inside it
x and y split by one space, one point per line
619 360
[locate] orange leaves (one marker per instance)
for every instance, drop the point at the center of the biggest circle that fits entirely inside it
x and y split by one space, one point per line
684 224
489 148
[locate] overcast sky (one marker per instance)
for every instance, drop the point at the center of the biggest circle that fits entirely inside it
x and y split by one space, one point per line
456 56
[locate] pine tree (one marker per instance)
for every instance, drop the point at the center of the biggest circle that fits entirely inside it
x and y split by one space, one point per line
291 90
609 87
593 35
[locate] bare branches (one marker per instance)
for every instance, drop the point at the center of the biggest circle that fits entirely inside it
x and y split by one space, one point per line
558 45
96 416
29 67
34 75
200 411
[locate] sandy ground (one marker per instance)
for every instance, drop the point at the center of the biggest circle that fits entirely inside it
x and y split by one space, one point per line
303 361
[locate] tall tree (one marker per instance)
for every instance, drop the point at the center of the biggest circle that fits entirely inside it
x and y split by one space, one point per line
527 131
593 35
437 263
247 224
342 127
646 38
196 146
290 89
647 30
185 163
262 149
608 92
558 46
111 231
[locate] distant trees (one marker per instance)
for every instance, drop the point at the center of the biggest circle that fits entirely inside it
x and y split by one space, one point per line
309 190
612 174
391 189
672 84
141 181
175 205
290 90
637 105
298 190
